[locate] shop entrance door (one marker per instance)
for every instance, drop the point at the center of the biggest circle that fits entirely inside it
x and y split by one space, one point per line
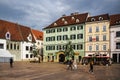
61 58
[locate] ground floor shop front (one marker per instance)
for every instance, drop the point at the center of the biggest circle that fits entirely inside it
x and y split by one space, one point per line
115 55
60 57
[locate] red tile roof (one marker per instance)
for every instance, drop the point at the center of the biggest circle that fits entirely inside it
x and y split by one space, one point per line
69 20
17 32
115 19
38 34
98 18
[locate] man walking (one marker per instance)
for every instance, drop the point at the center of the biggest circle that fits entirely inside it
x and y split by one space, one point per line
91 67
70 64
11 62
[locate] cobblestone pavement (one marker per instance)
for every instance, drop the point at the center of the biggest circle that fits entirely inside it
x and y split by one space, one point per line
56 71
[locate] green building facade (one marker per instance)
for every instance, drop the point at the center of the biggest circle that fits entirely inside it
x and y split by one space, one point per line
58 34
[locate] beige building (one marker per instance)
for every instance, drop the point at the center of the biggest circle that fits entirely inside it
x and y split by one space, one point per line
97 36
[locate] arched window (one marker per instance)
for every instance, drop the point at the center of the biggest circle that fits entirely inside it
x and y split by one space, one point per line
7 35
92 19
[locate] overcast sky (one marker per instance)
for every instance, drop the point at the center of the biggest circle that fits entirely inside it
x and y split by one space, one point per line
38 14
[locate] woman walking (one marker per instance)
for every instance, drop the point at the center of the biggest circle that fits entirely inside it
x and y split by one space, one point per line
91 67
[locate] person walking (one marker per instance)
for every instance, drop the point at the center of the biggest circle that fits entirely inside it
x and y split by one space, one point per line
69 65
91 67
11 62
75 64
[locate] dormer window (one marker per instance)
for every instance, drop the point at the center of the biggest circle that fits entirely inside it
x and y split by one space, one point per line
65 22
8 35
92 19
100 18
63 19
55 24
73 18
77 20
29 37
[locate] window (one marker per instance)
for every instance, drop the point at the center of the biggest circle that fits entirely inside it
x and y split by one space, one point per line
31 55
97 38
1 46
29 37
53 38
79 46
90 29
74 46
47 31
47 47
59 47
65 22
59 38
104 28
73 18
79 36
63 19
90 38
73 36
65 29
41 43
79 27
11 46
27 48
90 48
47 38
7 35
26 55
59 30
104 37
7 46
65 37
52 30
100 18
118 45
73 28
92 19
118 34
14 46
55 24
17 47
31 48
64 47
97 47
52 47
97 29
104 47
77 20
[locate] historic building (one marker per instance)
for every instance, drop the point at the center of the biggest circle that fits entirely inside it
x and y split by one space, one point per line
19 40
38 35
115 37
59 33
97 36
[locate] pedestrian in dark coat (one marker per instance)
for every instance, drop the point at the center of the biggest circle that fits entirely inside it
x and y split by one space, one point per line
70 64
91 67
11 62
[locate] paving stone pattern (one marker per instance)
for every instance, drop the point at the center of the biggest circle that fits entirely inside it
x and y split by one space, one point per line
56 71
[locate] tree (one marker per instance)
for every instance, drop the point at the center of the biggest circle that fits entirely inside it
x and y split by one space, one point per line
36 52
69 52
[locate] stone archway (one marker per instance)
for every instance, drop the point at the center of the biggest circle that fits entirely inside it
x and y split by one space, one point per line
61 57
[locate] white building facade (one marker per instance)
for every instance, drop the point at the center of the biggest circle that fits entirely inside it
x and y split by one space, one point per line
115 37
115 43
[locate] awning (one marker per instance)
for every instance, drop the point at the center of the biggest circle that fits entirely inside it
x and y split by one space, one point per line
5 53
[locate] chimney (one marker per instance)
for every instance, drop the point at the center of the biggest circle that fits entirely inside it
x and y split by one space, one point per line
63 15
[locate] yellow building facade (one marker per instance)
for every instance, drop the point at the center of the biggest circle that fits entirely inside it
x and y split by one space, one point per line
97 36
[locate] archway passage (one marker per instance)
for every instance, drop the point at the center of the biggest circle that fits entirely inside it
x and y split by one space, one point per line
61 58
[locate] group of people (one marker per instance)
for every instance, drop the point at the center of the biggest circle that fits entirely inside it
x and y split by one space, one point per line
72 65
